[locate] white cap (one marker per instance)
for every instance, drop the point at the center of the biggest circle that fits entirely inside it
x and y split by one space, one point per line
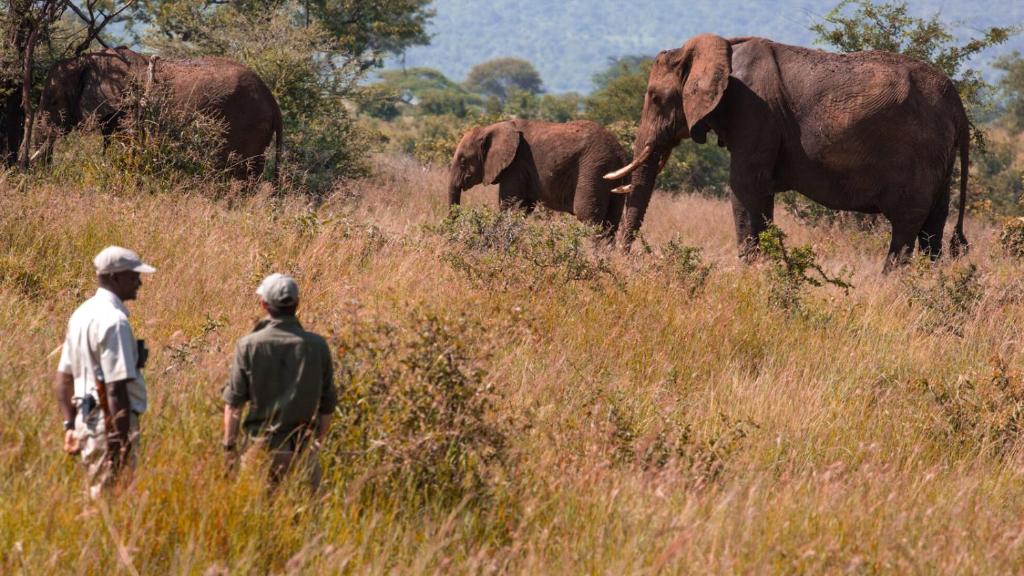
116 259
279 290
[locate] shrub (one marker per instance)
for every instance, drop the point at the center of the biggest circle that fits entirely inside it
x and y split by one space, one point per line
684 265
793 269
668 442
1011 237
505 249
158 146
948 300
415 413
987 414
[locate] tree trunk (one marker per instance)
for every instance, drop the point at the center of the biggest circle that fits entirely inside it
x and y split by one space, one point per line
26 98
11 125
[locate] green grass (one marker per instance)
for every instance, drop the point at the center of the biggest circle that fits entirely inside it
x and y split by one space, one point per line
658 413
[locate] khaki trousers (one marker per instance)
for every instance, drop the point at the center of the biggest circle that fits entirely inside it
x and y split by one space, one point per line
92 438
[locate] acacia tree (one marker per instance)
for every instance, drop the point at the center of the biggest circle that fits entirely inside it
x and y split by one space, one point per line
501 76
362 31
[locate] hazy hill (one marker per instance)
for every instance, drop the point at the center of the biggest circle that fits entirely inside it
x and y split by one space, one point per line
569 40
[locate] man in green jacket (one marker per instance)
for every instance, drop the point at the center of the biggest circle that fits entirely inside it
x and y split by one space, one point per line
286 376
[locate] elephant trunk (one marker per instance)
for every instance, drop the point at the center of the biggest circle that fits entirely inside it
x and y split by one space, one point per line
640 188
454 195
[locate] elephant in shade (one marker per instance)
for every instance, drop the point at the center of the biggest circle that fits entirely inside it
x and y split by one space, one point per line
95 85
870 132
557 165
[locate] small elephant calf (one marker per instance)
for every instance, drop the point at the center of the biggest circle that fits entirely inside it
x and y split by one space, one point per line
558 165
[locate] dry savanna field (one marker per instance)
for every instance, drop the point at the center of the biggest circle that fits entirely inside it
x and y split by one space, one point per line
514 402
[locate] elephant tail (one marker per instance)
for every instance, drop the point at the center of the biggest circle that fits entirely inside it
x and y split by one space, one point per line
278 148
958 244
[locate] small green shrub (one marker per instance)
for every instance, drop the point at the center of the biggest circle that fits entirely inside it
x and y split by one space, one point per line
949 300
793 269
505 249
1011 237
691 167
415 412
684 265
668 442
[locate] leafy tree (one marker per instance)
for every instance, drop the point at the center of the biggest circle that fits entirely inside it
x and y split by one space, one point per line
423 90
618 67
372 30
864 25
1011 87
362 30
620 91
550 107
499 76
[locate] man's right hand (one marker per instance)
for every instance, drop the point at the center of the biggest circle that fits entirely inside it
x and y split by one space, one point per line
71 444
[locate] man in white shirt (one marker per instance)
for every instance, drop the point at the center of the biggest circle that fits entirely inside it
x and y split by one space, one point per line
100 389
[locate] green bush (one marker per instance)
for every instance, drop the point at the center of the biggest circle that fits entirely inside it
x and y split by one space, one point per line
505 249
948 299
415 414
1011 237
793 269
684 265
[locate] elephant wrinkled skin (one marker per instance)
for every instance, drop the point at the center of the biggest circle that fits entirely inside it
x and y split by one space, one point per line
94 85
871 132
557 165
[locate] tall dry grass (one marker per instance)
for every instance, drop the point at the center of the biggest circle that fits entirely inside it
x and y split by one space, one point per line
650 425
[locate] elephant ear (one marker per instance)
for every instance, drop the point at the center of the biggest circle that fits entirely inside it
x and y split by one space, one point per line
709 62
500 145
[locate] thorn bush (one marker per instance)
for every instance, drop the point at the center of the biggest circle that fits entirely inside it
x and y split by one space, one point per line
793 269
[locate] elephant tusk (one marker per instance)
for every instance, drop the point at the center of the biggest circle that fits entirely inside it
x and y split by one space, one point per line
631 166
35 155
624 189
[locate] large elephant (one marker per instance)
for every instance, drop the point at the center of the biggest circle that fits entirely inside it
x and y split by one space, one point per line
557 165
871 132
95 84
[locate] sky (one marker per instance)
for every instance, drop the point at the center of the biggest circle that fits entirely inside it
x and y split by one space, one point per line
466 32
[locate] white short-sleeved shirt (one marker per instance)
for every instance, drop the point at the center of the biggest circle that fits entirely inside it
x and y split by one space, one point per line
99 336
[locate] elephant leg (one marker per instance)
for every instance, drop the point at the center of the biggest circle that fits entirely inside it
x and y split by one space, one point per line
901 246
753 208
513 193
612 216
929 239
591 202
